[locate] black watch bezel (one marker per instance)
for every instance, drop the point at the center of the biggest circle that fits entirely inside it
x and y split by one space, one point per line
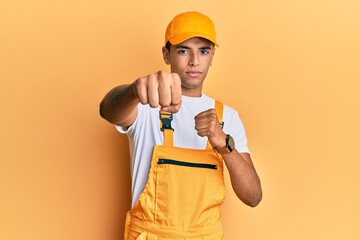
229 145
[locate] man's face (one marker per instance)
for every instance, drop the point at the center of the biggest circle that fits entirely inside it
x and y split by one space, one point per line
190 59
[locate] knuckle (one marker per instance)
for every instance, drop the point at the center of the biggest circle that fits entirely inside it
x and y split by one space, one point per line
176 79
164 102
175 76
164 79
152 79
211 117
162 74
153 105
177 108
139 82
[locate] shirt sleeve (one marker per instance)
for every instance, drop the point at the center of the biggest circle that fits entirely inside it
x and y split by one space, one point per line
234 126
122 129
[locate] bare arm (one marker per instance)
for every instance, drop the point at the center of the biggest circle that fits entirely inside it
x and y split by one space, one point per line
244 179
119 106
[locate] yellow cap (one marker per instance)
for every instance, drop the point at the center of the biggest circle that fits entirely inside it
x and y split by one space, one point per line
190 24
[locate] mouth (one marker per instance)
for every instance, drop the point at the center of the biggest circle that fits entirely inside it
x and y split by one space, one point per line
194 74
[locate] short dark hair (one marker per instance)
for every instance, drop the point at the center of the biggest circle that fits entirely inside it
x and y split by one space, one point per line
168 45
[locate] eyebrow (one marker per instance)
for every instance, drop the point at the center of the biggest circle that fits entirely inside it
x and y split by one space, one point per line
186 47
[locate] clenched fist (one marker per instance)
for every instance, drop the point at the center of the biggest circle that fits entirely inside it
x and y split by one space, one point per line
160 89
207 125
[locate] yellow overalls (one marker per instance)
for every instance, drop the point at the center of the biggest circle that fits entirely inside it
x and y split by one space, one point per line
183 194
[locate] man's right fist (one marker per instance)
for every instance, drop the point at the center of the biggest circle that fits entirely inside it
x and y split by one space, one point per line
160 88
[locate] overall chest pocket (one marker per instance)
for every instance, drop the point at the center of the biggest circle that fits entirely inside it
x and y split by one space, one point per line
186 164
187 191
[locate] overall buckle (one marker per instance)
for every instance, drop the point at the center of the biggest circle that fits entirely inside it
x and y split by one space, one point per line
166 119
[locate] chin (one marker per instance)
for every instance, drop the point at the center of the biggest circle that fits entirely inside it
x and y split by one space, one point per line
192 83
191 86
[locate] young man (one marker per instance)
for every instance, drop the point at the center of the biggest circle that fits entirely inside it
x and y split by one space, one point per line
179 139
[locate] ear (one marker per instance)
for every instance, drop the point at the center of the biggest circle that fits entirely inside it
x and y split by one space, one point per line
212 57
166 55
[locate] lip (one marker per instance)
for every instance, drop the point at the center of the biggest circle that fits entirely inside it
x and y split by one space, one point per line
193 74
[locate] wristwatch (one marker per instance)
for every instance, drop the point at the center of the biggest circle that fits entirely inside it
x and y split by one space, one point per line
229 145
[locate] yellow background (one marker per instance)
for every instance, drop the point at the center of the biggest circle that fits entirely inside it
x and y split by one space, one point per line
290 68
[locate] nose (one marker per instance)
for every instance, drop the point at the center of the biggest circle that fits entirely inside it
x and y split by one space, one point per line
194 59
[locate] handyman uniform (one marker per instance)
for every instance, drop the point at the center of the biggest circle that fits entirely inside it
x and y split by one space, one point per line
185 186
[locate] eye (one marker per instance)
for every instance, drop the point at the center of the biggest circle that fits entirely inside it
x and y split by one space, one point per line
183 51
205 51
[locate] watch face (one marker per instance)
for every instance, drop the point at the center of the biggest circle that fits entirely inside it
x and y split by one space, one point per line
231 143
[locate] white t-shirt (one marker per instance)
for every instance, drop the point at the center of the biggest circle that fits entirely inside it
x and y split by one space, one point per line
145 132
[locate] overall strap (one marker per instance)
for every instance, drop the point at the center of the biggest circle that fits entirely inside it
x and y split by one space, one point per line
219 108
165 119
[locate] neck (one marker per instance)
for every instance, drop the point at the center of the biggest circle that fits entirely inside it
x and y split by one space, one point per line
191 92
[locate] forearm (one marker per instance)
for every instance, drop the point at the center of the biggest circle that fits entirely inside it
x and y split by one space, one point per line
119 106
244 178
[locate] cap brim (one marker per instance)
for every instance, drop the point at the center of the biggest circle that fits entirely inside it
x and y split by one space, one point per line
183 37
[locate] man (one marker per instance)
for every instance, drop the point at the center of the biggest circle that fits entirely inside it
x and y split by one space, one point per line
179 139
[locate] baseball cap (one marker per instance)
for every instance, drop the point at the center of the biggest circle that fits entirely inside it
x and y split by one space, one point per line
190 24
